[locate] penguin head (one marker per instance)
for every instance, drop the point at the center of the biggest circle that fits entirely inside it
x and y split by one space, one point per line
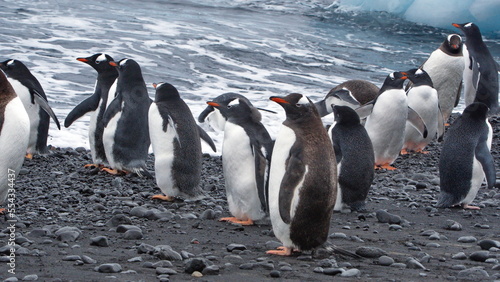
476 110
419 77
99 61
470 29
14 68
345 115
127 67
296 106
236 108
165 91
454 43
394 80
223 97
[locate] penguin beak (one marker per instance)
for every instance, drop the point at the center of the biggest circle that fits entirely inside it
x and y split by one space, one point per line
85 60
155 85
114 64
279 100
455 25
213 104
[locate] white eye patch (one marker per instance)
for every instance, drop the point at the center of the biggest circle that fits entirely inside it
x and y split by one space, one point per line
234 102
419 72
123 62
101 58
10 62
468 25
391 75
303 101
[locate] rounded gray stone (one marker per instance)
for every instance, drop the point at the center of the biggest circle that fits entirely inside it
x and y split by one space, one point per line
109 268
385 260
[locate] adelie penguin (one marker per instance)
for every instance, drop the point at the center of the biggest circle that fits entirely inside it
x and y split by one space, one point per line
14 137
355 159
31 93
465 159
103 94
175 137
302 179
481 70
246 156
126 135
386 123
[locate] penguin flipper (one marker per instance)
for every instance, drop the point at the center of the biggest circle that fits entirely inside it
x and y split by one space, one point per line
476 73
261 168
336 148
457 98
88 105
321 108
441 129
205 137
294 173
365 110
203 115
38 98
345 95
416 121
114 107
483 155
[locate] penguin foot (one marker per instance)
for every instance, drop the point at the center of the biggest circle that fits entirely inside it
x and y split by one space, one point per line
235 220
2 210
93 166
469 207
113 171
385 166
163 198
423 152
404 152
281 251
29 156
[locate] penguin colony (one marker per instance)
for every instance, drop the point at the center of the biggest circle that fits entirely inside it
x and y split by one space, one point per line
296 180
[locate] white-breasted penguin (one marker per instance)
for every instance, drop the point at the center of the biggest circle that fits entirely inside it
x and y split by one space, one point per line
96 103
126 135
302 179
246 157
465 158
14 137
445 66
422 98
352 93
31 93
355 159
175 138
481 70
386 123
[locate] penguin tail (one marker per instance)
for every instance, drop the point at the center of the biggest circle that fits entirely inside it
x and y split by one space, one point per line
339 251
446 200
143 172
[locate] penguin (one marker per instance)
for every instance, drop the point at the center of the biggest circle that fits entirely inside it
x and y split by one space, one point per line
31 93
175 138
423 98
386 123
465 159
14 138
481 70
246 157
445 66
355 159
302 179
103 94
126 135
352 93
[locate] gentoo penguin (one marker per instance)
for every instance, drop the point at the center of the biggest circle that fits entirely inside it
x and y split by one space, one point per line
481 70
302 179
465 158
34 100
352 93
246 156
445 67
126 135
96 103
175 137
355 159
423 98
386 123
14 137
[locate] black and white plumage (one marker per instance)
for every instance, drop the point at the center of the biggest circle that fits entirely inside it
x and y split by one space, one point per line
302 179
31 93
246 156
355 159
465 159
104 93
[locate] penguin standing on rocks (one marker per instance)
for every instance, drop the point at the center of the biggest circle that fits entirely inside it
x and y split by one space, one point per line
465 158
352 93
423 98
126 135
445 67
175 137
14 137
31 93
246 156
481 70
96 103
355 159
386 123
302 179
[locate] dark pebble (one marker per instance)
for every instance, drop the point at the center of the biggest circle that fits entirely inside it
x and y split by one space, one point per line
275 274
99 241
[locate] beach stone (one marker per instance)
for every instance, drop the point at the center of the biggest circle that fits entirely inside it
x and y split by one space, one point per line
458 267
68 234
72 258
473 273
414 264
275 274
479 256
332 271
488 244
453 225
370 252
496 267
126 227
247 266
395 227
31 277
165 270
195 264
385 217
467 239
166 252
232 247
398 265
459 256
208 214
353 272
119 219
385 260
133 235
197 274
163 263
109 268
139 211
88 260
99 241
491 260
211 270
39 232
145 249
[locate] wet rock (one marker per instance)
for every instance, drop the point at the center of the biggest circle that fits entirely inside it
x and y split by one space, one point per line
488 244
119 219
479 256
125 227
353 272
88 260
99 241
275 274
474 273
145 249
109 268
139 211
133 235
166 252
31 277
211 270
385 260
195 264
332 271
467 239
415 264
68 234
370 252
459 256
232 247
165 270
385 217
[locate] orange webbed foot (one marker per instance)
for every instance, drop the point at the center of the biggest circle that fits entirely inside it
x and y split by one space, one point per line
163 198
29 156
385 166
403 152
281 251
93 166
113 171
469 207
2 210
235 220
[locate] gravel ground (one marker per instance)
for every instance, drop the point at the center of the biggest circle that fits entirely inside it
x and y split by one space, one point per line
80 224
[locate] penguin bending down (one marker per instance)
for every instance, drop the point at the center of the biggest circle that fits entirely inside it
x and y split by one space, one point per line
31 93
355 159
96 103
481 70
386 124
423 98
302 179
352 93
175 137
126 135
14 137
466 159
246 155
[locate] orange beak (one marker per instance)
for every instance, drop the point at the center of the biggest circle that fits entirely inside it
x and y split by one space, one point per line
154 85
456 25
82 60
113 64
279 100
213 104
